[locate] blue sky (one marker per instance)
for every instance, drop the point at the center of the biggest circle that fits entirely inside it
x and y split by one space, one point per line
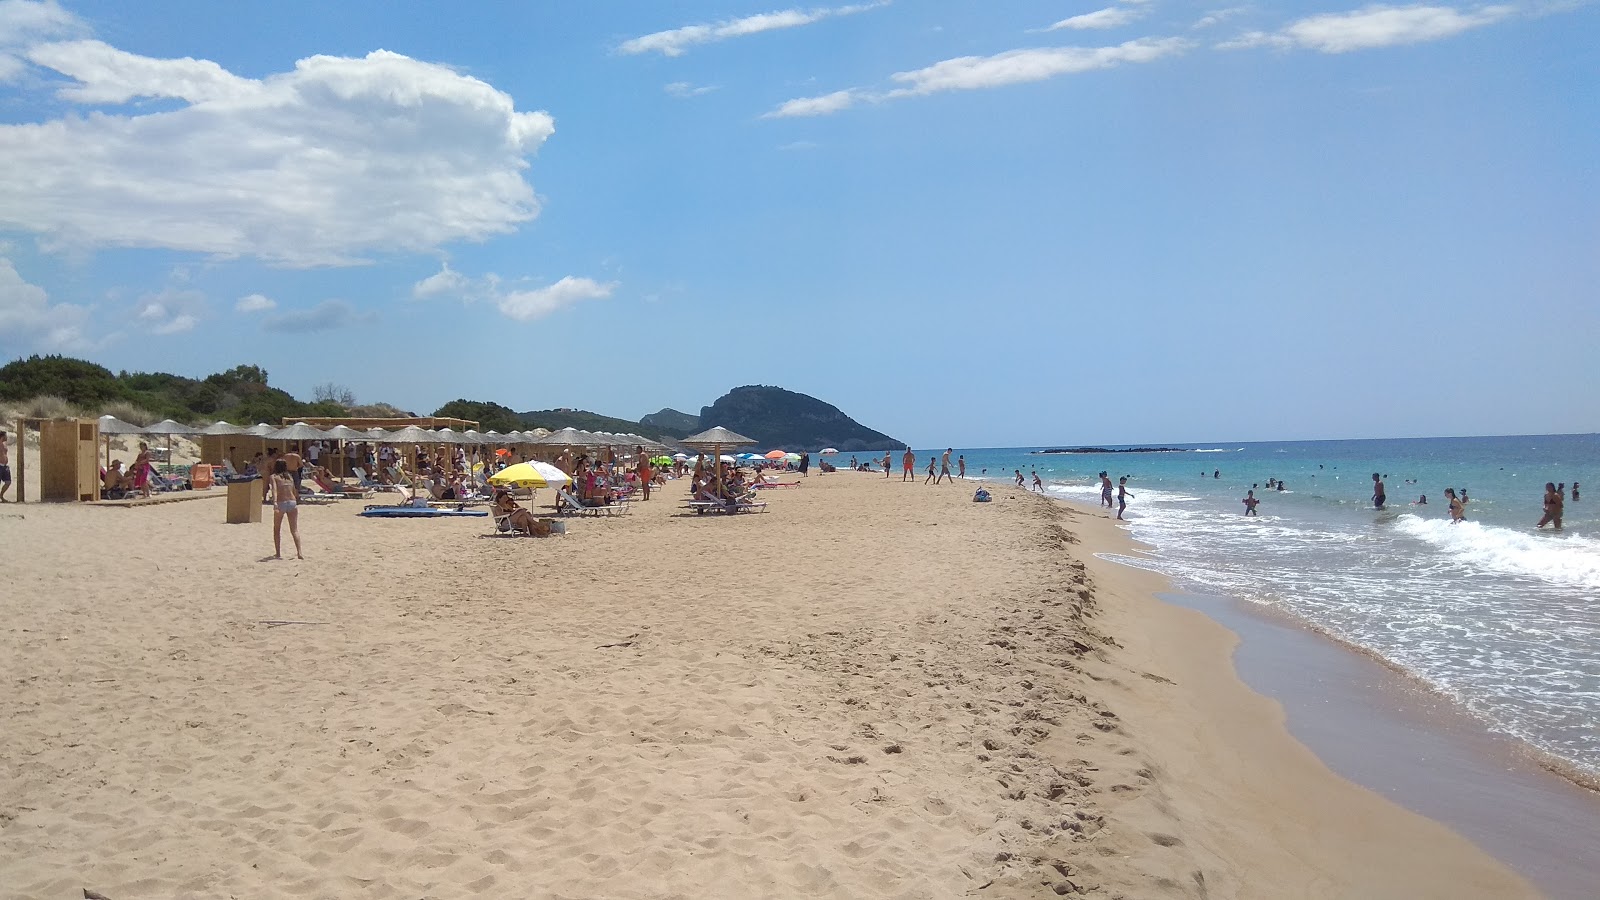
962 223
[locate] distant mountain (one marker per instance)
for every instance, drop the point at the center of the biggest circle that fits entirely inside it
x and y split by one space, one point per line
583 420
670 420
777 418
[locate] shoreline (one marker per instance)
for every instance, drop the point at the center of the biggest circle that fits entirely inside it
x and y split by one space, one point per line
868 691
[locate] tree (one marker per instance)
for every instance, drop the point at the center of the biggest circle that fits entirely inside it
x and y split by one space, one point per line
333 393
74 380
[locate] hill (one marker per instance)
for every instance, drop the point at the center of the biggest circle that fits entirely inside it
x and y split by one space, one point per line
791 421
583 420
670 420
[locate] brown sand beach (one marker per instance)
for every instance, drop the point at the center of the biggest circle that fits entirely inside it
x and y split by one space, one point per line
874 689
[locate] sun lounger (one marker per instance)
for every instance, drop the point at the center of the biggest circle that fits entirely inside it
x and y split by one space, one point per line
570 506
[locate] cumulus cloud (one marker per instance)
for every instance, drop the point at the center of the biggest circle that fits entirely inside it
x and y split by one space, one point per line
677 40
30 322
522 304
171 311
683 89
967 73
1110 17
325 316
445 282
315 166
26 22
525 306
1373 27
255 303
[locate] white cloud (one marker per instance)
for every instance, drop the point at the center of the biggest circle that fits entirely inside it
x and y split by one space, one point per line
525 306
1110 17
255 303
446 281
325 316
30 322
338 157
815 106
1217 17
967 73
677 40
1017 66
684 89
24 23
171 311
1373 27
798 146
520 304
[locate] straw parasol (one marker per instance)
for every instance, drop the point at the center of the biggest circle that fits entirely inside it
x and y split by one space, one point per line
260 429
169 428
299 432
110 425
221 427
342 434
714 439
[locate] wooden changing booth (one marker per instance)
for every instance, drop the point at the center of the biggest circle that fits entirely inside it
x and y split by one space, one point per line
69 459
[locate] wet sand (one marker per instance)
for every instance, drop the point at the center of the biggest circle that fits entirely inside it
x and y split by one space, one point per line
1390 733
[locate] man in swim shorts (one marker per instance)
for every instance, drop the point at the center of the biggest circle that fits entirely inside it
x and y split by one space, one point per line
908 464
5 468
1378 495
944 466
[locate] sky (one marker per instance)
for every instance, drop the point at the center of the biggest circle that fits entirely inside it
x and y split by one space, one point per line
968 224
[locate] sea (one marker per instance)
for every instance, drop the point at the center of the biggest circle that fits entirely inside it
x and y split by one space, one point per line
1493 613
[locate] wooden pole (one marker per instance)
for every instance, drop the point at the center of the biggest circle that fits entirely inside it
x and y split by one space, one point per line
22 453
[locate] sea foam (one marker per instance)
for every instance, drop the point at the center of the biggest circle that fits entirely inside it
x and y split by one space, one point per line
1558 558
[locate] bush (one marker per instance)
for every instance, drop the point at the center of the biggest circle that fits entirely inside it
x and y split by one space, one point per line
48 407
127 412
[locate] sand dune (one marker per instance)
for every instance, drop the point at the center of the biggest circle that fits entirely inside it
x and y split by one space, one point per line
873 690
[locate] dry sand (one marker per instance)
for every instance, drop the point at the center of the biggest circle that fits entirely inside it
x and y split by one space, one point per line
872 690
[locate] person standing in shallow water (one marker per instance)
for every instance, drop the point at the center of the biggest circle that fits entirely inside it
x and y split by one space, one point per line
1250 503
1458 506
1378 495
1552 506
1122 495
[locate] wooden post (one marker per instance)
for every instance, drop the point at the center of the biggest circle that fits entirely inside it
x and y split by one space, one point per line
22 453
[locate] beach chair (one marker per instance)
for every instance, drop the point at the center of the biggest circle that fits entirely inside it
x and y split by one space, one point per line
361 476
571 507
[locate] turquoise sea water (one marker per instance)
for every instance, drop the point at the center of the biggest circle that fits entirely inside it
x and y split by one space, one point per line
1499 616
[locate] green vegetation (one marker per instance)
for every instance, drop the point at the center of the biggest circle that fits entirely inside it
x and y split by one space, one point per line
489 416
240 395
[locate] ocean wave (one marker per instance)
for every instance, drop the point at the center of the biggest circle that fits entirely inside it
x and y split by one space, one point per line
1219 450
1561 559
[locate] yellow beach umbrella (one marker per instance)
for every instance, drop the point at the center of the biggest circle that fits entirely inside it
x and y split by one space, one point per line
529 474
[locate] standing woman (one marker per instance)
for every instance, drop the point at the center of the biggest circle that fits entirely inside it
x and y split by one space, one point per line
1552 506
141 470
284 504
1458 506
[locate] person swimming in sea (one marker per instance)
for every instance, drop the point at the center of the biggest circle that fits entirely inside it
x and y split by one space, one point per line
1423 500
1250 503
1378 495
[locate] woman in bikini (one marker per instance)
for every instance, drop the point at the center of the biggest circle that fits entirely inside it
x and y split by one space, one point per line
516 517
1458 507
1552 506
284 504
